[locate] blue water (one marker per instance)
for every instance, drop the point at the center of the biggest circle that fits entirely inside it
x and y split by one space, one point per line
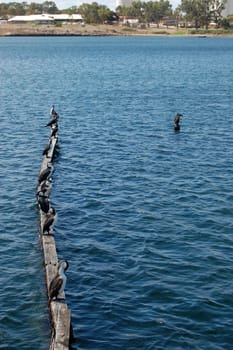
144 213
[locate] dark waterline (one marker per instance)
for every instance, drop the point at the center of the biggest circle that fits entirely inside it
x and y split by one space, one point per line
144 214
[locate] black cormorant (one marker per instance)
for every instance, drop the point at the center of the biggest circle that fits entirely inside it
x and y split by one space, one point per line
45 186
44 174
49 220
53 113
54 130
46 150
43 201
58 283
52 122
177 119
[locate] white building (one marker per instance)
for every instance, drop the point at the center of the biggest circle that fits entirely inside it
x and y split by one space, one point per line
32 18
47 18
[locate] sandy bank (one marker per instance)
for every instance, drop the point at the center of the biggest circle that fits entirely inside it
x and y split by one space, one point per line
10 29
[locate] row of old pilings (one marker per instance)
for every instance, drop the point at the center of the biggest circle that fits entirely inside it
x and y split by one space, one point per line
60 315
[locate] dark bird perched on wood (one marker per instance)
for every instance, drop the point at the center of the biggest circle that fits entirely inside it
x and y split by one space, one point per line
57 285
44 174
45 186
54 130
52 122
43 201
49 220
177 119
53 113
46 150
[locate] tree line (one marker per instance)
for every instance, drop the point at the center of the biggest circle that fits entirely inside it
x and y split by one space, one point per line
197 12
23 8
202 12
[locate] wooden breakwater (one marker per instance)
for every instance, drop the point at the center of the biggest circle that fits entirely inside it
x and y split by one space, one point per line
60 315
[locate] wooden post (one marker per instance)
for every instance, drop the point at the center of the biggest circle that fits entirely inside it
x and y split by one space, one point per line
59 312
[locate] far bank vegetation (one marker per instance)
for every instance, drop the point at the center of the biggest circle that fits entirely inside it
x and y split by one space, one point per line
198 14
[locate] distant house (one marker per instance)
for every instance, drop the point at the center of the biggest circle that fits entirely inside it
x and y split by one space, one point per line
46 18
68 18
130 21
32 18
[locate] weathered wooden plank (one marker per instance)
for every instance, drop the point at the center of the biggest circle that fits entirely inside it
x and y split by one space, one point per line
61 319
59 312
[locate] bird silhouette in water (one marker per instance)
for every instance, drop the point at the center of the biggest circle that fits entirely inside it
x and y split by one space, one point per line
177 119
58 283
51 215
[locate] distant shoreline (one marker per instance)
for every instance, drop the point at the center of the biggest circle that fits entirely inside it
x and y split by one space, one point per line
11 29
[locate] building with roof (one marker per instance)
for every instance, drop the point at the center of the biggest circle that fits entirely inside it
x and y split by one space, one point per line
47 18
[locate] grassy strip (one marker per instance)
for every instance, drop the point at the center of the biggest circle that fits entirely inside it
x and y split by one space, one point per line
127 29
212 31
161 32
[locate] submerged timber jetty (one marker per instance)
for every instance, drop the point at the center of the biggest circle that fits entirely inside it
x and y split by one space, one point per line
55 270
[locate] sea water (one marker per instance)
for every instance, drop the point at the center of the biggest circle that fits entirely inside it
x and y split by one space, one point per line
144 213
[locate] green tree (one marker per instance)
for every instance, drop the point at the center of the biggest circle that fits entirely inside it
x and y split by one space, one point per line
105 14
156 10
193 11
225 23
89 12
15 8
95 13
127 11
34 9
152 11
137 10
201 12
178 15
71 10
49 7
217 8
3 10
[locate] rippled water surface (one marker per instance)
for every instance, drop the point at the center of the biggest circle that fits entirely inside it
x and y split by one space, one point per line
144 213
